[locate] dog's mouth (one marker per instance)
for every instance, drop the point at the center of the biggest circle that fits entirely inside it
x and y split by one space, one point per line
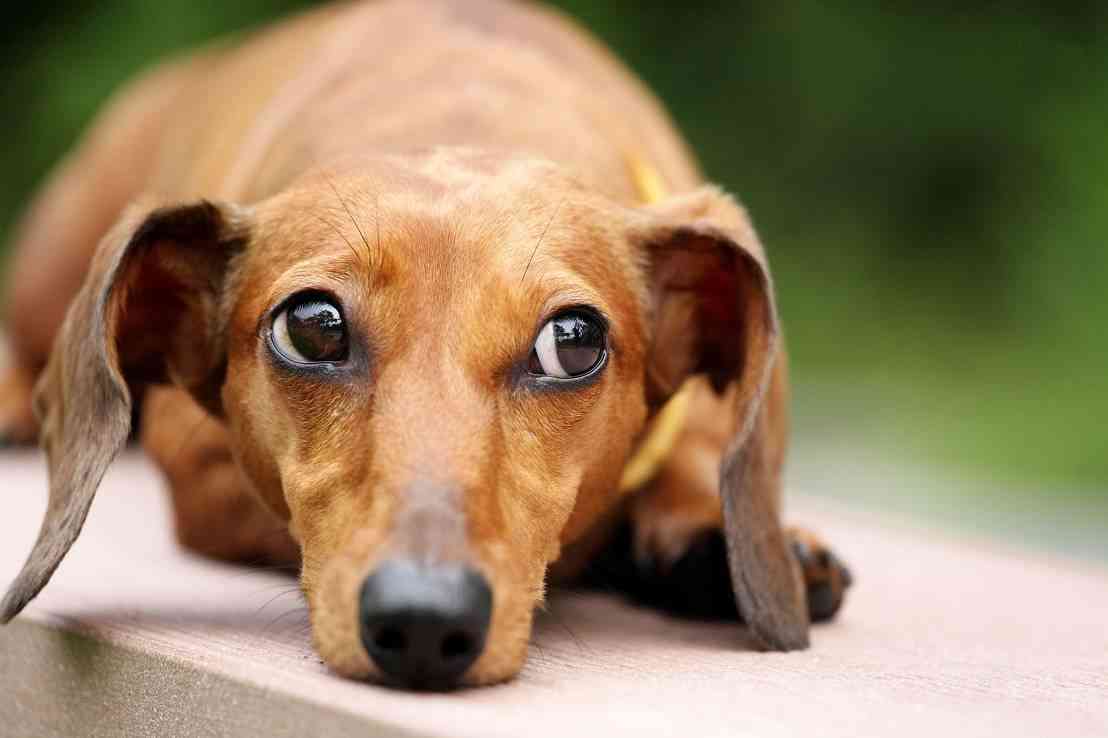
423 625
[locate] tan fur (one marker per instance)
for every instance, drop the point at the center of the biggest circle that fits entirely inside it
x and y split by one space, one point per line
452 172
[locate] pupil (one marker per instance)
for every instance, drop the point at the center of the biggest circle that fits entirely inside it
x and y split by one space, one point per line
579 343
317 331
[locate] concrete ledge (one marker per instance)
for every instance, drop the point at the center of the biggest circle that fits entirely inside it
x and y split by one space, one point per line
134 637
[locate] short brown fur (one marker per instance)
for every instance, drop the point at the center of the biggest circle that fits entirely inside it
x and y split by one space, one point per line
453 173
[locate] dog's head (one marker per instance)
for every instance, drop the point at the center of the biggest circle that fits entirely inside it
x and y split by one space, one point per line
433 369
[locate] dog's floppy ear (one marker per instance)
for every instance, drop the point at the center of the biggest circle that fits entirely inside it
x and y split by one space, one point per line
149 311
714 314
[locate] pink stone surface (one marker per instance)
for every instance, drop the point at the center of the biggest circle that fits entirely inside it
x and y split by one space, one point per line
941 636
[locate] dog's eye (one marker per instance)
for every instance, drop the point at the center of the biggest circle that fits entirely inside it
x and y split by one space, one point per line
569 345
311 330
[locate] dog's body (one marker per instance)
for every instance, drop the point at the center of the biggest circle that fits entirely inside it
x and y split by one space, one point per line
450 173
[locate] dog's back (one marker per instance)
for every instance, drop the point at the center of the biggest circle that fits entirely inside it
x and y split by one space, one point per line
403 76
244 120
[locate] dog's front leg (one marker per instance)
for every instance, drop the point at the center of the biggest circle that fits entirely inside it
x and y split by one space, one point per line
214 512
677 539
17 421
680 556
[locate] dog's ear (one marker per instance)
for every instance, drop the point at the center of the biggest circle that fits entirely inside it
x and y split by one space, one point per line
714 314
149 311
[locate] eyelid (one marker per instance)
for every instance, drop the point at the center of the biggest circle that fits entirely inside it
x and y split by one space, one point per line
561 308
300 280
546 383
307 294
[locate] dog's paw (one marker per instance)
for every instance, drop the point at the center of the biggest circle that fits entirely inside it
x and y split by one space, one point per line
694 584
697 584
826 578
684 571
18 426
680 556
669 523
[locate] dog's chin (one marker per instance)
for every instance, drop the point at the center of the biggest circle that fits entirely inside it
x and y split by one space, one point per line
501 660
472 679
495 666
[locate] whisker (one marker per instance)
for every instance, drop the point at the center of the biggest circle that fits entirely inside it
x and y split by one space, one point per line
274 598
534 644
282 588
541 237
350 214
377 218
340 234
262 565
581 645
282 616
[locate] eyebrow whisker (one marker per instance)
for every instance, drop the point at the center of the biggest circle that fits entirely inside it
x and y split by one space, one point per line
541 237
340 234
353 220
377 217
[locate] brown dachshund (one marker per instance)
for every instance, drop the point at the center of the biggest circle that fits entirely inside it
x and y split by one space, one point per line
407 302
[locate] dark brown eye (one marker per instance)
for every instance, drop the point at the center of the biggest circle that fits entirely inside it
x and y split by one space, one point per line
569 345
311 330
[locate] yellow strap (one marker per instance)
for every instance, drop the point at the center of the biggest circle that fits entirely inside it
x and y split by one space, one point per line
666 426
647 181
660 439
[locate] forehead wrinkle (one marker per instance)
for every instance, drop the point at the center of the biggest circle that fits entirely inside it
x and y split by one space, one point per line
493 253
322 271
326 198
570 293
461 239
456 306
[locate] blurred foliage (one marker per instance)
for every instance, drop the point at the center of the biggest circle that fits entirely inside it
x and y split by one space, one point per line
931 180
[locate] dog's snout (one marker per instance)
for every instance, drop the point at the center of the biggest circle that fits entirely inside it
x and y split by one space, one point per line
424 625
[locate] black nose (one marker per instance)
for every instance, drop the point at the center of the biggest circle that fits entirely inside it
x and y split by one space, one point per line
425 625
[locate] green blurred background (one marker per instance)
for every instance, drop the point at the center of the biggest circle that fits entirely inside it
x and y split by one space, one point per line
931 180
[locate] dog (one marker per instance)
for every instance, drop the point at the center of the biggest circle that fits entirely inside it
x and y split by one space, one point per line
429 299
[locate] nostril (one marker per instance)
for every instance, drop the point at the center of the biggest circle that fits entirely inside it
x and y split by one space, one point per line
457 645
391 640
